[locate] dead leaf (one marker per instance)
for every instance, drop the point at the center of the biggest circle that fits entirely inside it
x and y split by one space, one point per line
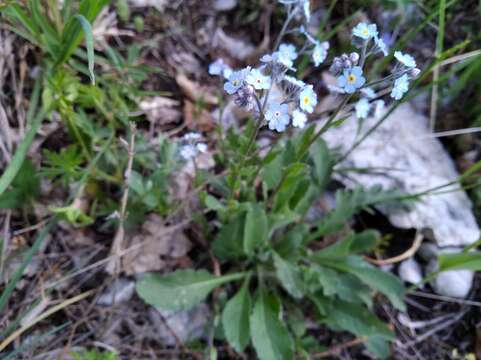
156 244
195 119
160 5
195 91
161 110
237 48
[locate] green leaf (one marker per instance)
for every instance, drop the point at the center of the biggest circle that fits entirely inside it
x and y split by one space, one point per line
384 282
72 33
354 243
89 43
378 346
323 163
182 289
269 335
17 160
272 172
255 229
289 276
294 175
235 319
290 244
213 203
73 215
136 182
349 203
25 187
229 242
357 319
458 261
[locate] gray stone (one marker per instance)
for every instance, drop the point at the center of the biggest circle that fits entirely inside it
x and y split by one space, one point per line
412 161
224 5
187 325
410 271
118 292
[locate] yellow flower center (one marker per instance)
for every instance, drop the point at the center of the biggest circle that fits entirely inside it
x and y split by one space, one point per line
365 32
306 100
351 78
235 82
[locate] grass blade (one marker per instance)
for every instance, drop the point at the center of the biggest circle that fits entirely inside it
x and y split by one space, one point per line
21 152
89 43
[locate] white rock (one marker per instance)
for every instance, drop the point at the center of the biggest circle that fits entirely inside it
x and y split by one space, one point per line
237 48
120 291
418 162
454 283
187 325
410 271
160 5
225 5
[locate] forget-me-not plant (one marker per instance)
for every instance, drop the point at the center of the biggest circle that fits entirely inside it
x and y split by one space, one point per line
278 98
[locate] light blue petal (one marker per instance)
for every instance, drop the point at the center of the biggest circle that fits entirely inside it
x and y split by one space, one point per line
342 81
350 88
357 71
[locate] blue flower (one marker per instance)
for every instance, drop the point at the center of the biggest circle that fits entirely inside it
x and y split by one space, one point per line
277 116
299 118
279 58
401 85
235 81
351 79
319 53
258 80
365 31
380 46
288 50
405 59
307 99
219 67
362 108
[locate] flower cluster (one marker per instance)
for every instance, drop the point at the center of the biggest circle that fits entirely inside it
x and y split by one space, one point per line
279 98
271 90
192 146
349 70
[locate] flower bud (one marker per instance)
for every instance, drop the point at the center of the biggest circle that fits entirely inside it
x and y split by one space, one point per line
354 57
347 64
414 73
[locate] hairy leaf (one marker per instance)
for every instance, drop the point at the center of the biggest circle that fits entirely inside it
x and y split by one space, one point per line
235 319
268 334
182 289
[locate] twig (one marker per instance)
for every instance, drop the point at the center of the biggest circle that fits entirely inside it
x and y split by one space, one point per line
429 333
338 348
445 298
405 255
5 242
114 265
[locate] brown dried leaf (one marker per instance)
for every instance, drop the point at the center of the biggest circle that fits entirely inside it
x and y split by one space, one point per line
154 243
237 48
161 110
197 119
195 91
